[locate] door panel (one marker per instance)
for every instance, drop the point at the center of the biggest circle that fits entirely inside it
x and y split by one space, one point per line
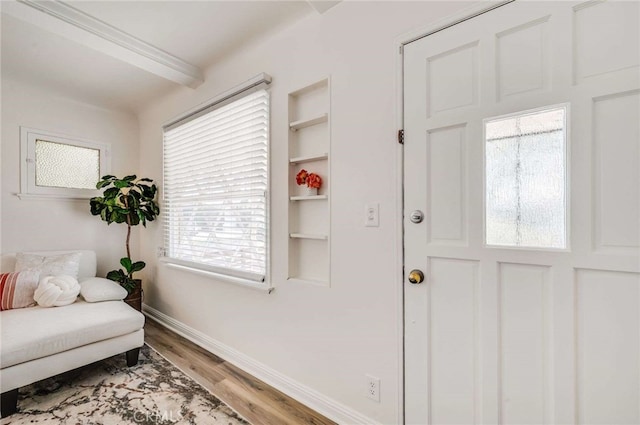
616 208
446 186
522 58
608 334
524 335
452 79
453 338
525 310
616 44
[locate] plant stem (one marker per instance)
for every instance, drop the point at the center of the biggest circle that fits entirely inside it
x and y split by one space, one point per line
126 205
128 236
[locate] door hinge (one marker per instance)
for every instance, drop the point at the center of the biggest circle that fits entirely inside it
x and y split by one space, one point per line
401 137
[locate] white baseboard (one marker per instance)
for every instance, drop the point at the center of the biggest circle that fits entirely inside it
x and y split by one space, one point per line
305 395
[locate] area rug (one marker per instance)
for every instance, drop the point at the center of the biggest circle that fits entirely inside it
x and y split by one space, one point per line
110 393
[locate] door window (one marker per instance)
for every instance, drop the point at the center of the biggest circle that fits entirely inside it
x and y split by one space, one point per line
525 179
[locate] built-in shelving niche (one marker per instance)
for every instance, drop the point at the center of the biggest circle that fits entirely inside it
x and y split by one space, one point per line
309 216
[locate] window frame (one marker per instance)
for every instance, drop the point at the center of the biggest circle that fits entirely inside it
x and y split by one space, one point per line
28 186
260 82
567 177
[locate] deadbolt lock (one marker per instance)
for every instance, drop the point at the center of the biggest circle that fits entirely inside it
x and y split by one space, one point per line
416 216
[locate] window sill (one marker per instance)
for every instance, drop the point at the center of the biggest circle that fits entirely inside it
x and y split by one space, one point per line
40 197
264 287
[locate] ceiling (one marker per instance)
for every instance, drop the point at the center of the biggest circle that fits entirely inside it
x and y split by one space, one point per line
46 52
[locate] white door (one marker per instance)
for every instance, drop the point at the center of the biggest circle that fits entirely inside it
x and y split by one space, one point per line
522 149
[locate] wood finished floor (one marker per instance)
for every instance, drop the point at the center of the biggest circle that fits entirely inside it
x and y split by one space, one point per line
256 401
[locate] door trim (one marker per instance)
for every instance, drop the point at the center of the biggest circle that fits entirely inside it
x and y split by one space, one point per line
399 43
451 20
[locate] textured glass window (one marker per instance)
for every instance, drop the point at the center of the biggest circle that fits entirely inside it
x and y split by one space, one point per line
68 166
526 180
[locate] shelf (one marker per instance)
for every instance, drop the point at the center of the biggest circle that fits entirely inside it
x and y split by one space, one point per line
309 222
311 87
302 159
308 236
308 198
298 280
297 125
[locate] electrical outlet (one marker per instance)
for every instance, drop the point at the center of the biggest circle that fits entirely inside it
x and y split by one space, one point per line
373 388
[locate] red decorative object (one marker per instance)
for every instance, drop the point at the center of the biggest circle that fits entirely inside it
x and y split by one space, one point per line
314 181
301 177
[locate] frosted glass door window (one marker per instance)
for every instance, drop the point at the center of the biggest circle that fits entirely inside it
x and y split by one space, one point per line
525 160
67 166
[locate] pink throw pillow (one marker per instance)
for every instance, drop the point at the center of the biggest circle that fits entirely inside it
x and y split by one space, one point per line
17 289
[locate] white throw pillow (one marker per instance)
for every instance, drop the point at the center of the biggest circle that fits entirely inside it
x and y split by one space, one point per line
57 291
54 265
96 289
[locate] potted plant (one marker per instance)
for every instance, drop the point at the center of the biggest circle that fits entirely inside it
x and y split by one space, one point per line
129 201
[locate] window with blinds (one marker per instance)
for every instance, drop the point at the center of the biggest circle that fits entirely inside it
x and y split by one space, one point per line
215 188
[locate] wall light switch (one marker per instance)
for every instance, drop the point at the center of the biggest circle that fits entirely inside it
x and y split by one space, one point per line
371 215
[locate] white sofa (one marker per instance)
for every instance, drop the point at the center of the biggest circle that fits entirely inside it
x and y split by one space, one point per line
37 342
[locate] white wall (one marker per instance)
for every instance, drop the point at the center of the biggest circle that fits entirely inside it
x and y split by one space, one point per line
324 338
57 224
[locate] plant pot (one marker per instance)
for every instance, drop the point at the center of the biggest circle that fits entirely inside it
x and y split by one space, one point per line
134 299
312 191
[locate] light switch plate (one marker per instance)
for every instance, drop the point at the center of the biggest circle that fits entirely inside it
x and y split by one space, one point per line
371 215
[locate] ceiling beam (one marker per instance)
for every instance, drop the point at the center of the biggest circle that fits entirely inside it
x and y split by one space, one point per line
62 19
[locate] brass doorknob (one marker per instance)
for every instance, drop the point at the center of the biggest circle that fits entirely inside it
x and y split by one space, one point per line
416 276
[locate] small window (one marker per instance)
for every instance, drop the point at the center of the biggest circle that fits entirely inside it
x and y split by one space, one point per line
215 188
60 166
525 180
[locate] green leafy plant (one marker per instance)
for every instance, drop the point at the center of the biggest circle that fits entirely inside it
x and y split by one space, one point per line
125 277
129 201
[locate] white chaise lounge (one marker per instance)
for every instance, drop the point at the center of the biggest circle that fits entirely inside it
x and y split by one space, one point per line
37 343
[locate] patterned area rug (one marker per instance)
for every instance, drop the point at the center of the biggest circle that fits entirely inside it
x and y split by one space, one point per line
108 392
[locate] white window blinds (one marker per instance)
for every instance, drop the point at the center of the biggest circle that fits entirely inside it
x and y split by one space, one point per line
215 185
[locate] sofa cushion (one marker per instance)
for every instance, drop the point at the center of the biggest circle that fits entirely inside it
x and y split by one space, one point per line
52 265
97 289
88 261
17 289
35 332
